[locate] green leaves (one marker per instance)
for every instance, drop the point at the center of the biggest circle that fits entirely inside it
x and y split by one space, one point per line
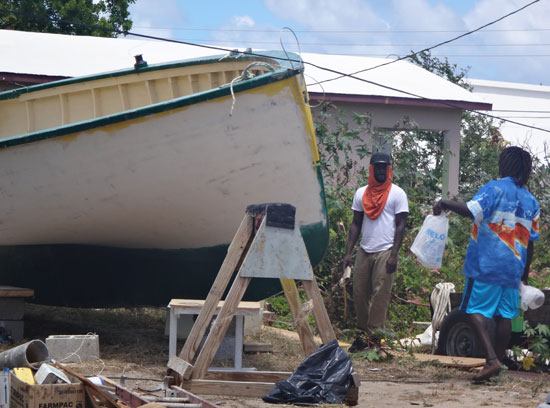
78 17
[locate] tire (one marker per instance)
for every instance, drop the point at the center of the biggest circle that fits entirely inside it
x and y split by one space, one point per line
457 336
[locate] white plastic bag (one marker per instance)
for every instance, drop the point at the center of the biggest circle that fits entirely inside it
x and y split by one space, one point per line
429 244
531 297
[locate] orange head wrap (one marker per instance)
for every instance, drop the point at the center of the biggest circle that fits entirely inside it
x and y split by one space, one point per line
376 194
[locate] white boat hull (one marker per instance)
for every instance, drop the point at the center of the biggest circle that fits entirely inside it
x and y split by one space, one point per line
171 180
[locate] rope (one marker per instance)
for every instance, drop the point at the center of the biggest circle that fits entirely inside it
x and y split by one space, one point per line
440 300
243 77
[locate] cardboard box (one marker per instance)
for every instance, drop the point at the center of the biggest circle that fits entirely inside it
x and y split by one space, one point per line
23 395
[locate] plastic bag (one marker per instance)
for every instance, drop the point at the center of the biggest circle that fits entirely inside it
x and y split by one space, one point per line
531 297
323 377
429 244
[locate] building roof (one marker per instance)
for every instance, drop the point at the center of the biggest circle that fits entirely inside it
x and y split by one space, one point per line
523 103
400 81
55 56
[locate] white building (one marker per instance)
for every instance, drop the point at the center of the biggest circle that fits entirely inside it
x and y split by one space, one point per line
524 104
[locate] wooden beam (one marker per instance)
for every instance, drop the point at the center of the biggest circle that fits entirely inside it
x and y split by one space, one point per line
234 254
229 388
448 361
452 361
252 376
300 319
324 325
223 320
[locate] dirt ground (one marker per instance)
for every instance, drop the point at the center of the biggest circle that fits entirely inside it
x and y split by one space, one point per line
133 345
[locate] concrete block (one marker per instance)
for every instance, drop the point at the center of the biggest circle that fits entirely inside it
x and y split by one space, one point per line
73 348
12 308
14 328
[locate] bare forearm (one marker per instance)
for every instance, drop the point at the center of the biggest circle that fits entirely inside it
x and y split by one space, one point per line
457 207
399 234
353 236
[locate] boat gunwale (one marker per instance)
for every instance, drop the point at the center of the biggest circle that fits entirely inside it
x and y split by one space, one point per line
284 61
285 71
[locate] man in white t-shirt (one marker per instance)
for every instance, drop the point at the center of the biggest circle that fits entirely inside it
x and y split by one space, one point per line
380 212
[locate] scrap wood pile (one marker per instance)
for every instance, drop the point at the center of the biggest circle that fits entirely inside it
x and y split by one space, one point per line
29 378
57 385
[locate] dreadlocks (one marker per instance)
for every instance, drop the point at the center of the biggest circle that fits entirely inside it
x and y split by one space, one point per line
515 162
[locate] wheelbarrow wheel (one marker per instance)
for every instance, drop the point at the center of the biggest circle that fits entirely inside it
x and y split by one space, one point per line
457 336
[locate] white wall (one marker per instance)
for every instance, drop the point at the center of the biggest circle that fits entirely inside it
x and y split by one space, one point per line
527 104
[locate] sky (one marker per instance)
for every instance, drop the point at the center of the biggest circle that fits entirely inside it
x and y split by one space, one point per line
515 49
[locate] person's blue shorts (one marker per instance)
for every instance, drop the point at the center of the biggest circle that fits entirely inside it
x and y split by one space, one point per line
489 300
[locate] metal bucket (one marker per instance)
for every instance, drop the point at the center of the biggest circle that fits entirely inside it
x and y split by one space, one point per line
30 354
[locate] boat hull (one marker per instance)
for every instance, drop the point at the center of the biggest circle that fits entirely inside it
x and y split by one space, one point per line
139 207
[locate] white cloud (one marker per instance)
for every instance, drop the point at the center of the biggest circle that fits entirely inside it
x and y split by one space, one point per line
518 69
328 14
242 21
146 14
423 15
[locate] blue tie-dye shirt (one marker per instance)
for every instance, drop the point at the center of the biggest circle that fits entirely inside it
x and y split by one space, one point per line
506 218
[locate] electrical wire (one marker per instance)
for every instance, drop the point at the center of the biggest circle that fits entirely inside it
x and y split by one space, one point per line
444 42
451 105
355 44
340 74
254 30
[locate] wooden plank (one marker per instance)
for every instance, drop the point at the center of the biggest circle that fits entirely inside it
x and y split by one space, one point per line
12 291
252 376
324 325
448 361
300 319
195 306
234 254
221 324
452 361
229 388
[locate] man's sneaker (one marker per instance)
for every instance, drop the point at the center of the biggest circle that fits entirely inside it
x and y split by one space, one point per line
357 345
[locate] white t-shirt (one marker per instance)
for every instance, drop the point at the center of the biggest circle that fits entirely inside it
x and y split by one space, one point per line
377 235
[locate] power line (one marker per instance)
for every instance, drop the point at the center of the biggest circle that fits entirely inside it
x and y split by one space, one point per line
253 30
341 74
425 98
358 44
441 43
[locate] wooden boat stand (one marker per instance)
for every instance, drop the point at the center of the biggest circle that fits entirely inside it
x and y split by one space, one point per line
266 245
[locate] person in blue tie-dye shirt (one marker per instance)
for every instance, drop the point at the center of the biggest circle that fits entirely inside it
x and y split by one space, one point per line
506 217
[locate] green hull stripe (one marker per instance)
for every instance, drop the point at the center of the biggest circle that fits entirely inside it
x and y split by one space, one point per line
88 276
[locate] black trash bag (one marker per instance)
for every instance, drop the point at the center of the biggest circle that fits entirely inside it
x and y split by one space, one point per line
323 377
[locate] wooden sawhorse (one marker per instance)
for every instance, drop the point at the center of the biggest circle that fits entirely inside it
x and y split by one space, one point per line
266 245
